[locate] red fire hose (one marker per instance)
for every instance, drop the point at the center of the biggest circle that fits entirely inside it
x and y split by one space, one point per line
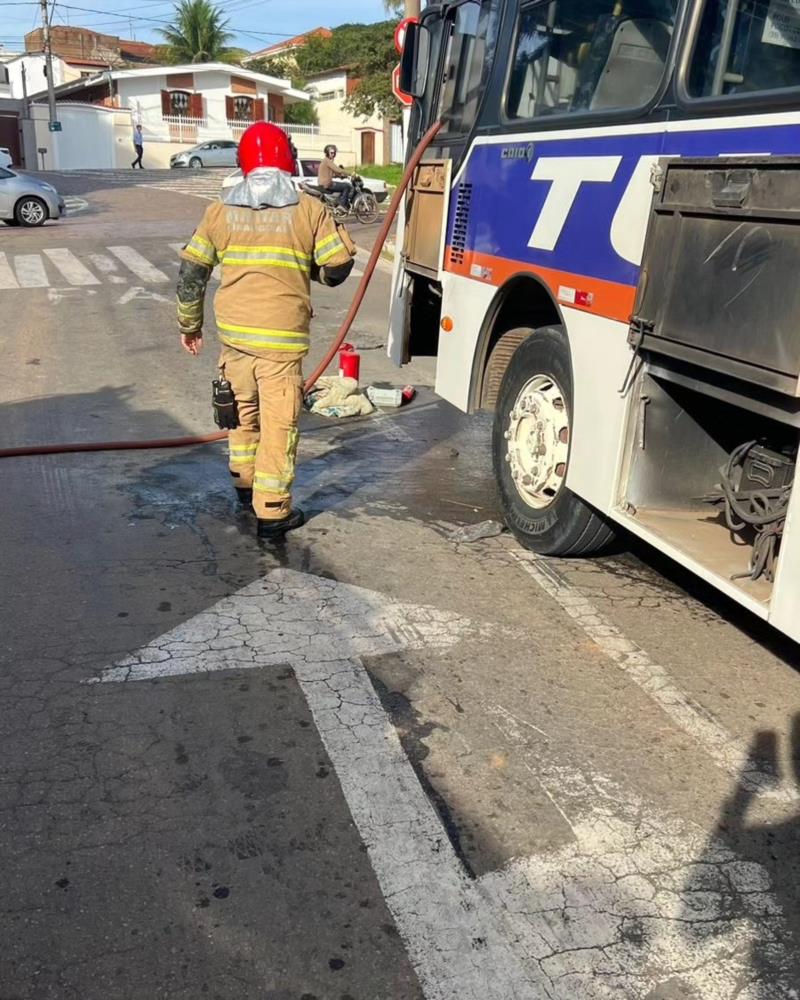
358 298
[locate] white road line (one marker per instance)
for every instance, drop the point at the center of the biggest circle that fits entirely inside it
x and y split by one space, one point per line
75 205
71 268
30 271
632 903
7 279
322 628
108 266
140 265
728 752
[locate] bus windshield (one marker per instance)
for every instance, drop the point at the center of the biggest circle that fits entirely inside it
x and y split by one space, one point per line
469 35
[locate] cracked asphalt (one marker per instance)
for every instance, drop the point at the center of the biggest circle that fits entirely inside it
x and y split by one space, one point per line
373 763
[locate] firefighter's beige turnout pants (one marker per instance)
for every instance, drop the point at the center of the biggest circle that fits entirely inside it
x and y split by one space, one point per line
263 448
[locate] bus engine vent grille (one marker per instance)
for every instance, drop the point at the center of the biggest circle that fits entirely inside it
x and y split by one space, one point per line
458 241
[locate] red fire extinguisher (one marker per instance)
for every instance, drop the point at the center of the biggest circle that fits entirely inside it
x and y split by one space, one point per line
349 362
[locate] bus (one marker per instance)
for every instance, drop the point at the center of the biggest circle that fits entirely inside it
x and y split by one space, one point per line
602 245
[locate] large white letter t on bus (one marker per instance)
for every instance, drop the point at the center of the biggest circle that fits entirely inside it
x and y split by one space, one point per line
567 173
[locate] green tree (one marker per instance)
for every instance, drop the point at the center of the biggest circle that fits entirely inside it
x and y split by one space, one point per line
368 53
198 34
285 68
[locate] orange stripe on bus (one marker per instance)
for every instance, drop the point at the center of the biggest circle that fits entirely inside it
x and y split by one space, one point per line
608 298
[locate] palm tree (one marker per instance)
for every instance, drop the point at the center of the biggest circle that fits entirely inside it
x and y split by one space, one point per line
198 34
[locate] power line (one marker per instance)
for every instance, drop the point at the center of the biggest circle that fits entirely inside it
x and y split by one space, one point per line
161 20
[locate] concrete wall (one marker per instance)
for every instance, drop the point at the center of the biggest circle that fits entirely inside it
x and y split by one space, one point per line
91 136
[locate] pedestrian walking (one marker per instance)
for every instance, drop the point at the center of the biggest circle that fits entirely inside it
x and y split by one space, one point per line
138 145
270 242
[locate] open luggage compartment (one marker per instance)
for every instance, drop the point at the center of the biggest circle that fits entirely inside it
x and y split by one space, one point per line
715 385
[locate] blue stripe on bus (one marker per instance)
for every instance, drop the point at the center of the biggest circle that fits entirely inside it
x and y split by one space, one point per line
506 203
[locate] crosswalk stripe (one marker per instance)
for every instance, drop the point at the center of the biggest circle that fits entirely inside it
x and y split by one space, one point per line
30 271
108 266
138 264
72 269
7 279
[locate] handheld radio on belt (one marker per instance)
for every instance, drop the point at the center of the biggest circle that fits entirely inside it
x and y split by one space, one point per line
226 414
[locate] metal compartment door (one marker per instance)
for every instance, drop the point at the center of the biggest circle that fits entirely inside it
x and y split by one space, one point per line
720 286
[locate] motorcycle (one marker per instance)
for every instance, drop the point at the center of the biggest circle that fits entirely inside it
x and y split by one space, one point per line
363 204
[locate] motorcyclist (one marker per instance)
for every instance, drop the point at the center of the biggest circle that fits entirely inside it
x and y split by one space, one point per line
328 171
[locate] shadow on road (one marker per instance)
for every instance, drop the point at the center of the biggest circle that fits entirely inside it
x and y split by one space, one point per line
750 874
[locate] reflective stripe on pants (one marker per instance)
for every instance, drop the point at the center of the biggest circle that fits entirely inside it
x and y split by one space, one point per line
263 448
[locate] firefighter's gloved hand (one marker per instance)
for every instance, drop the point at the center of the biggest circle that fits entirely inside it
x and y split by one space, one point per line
226 414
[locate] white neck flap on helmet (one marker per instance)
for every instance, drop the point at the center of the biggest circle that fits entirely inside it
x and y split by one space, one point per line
264 187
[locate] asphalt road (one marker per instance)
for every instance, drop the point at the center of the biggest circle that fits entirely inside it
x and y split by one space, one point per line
372 763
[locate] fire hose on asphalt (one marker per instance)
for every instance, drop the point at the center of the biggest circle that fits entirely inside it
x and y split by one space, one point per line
338 340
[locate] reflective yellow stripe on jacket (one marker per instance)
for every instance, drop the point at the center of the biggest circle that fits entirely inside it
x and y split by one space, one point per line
255 256
325 249
254 336
202 250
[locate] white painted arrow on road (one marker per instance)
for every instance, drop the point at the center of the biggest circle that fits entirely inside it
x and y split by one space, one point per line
322 628
640 905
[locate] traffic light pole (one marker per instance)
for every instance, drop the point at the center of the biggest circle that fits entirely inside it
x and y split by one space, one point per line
48 55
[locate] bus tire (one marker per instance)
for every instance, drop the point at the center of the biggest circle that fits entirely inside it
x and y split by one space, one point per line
530 451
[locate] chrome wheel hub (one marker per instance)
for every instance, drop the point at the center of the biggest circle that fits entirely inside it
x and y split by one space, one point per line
538 441
31 212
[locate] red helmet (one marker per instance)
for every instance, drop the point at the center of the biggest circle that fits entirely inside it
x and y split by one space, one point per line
265 145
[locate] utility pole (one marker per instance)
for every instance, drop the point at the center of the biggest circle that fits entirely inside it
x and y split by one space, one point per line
412 8
48 55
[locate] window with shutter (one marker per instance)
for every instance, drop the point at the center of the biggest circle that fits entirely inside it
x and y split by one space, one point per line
179 103
196 105
229 112
258 110
165 103
243 109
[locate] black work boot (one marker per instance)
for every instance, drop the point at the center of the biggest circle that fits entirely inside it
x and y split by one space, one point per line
272 530
245 495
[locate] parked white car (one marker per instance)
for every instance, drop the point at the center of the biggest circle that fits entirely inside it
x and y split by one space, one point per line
5 157
307 174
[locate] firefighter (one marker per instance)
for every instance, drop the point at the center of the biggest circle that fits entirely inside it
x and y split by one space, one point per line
270 242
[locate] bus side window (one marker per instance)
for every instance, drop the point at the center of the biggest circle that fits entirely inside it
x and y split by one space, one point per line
573 56
746 47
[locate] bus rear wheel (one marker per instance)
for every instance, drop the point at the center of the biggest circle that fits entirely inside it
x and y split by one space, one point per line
531 443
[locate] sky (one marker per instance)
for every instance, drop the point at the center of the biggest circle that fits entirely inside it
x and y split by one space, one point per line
256 23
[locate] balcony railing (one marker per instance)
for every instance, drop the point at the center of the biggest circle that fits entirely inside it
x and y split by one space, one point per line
182 128
293 129
237 126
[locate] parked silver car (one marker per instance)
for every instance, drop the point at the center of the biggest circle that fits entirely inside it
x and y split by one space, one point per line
219 153
27 201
